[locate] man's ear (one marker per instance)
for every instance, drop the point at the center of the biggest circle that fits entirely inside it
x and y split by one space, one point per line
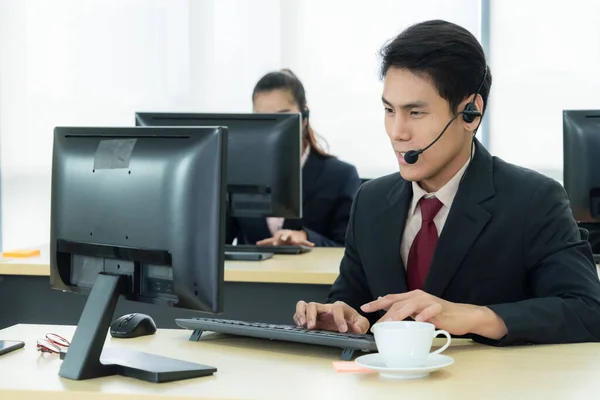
473 123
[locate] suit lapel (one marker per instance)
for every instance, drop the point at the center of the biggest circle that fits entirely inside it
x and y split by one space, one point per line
466 220
388 227
310 175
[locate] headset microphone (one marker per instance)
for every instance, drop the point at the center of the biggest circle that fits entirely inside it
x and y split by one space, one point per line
469 114
412 156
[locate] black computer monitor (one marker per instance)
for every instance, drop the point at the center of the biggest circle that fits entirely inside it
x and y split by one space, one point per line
581 169
264 176
137 213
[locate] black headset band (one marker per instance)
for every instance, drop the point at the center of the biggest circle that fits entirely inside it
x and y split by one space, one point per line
471 112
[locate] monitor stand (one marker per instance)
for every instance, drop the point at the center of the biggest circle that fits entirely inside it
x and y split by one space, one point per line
85 358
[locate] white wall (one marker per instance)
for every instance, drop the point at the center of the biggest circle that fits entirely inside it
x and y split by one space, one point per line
96 62
333 47
78 63
233 43
545 57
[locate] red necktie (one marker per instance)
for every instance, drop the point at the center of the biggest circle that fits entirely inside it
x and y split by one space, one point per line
422 248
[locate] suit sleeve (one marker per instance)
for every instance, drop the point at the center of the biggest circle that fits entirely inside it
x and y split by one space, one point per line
338 222
564 284
351 284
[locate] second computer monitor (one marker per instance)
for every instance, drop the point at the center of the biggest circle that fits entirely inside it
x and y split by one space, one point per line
581 176
264 175
581 141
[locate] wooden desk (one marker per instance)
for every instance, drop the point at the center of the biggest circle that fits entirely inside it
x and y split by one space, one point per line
264 291
253 369
319 266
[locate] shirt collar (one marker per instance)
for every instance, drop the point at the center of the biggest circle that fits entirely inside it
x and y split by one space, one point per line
445 194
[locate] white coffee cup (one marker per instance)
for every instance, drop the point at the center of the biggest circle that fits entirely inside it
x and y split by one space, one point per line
406 344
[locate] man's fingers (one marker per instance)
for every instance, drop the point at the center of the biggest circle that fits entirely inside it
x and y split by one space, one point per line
266 242
403 311
384 303
356 322
393 313
303 243
300 316
311 315
360 324
296 319
429 312
276 238
282 237
339 317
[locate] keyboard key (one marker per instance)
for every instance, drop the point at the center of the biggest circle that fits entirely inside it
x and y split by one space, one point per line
292 333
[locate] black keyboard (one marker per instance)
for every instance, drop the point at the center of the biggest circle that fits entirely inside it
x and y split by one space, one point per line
349 342
249 248
246 256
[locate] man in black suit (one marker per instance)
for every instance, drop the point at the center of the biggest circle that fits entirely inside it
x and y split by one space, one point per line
459 238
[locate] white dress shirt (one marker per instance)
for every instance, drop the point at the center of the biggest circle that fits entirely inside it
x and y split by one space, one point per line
445 194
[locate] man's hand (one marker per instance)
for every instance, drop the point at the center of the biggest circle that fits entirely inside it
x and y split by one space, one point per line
457 319
287 237
338 317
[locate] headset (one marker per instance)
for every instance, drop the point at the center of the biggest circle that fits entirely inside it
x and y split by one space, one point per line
305 112
469 114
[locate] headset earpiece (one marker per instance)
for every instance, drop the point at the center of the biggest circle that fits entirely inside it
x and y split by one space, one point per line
305 113
470 113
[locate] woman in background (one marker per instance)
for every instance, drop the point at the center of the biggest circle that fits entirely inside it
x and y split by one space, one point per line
328 184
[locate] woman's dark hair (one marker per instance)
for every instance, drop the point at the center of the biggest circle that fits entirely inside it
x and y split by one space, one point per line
446 53
286 80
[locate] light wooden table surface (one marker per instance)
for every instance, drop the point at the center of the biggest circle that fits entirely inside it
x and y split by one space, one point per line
259 369
319 266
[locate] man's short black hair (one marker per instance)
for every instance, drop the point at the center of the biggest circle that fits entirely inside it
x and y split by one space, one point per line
446 53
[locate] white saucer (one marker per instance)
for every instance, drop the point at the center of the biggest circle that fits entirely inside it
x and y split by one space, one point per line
433 363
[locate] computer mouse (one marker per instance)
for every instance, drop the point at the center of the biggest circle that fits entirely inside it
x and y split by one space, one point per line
132 326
